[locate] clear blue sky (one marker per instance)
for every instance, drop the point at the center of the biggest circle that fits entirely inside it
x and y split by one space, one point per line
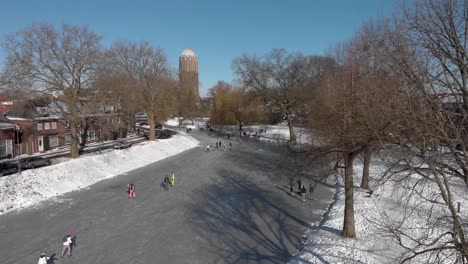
218 31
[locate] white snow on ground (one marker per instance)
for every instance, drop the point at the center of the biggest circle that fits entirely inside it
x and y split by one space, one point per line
270 133
189 123
32 186
326 245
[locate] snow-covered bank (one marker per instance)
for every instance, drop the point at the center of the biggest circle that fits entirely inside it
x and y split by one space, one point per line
32 186
373 244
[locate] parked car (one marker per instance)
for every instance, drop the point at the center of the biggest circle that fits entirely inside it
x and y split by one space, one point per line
156 125
122 145
162 135
34 162
8 168
170 132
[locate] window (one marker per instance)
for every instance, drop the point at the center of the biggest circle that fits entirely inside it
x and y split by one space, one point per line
54 125
67 123
6 148
53 141
40 126
111 120
118 120
68 139
46 126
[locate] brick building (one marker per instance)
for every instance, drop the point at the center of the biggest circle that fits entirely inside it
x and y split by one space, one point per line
34 126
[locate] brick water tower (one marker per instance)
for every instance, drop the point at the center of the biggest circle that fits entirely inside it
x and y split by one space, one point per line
188 75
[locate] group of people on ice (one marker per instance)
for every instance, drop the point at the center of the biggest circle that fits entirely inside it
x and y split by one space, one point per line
301 188
220 145
168 180
67 243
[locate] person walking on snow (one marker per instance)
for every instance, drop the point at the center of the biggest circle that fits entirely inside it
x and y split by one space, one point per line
67 244
230 146
131 190
43 259
172 178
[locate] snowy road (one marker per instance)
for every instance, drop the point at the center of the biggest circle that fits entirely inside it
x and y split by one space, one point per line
226 207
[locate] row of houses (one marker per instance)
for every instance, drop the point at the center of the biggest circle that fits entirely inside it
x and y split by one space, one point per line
33 126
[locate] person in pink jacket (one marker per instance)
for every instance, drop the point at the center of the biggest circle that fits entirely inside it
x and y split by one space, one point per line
131 190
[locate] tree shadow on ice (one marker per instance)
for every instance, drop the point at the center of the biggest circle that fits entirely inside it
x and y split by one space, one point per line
278 165
242 224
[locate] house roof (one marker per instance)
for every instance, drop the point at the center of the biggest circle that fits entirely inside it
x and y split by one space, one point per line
5 109
5 123
4 119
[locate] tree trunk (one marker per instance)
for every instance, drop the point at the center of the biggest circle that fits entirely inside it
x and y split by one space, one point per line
348 225
292 136
365 171
74 151
151 135
74 145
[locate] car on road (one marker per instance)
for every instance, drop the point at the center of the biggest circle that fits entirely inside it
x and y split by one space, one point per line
122 145
34 162
8 168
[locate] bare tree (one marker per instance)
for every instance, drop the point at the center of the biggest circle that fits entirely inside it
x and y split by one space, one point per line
59 63
429 48
279 78
353 109
234 106
149 71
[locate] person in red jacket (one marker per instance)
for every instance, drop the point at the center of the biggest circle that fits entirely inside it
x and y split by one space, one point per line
131 190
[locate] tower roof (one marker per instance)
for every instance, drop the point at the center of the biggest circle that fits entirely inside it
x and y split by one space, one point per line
188 52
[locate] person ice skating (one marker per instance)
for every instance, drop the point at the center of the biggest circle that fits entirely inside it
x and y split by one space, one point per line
166 183
43 259
208 148
291 186
230 146
311 190
172 178
303 192
131 190
216 144
299 184
67 244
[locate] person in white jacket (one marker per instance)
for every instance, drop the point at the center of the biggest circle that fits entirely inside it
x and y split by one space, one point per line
67 244
43 259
